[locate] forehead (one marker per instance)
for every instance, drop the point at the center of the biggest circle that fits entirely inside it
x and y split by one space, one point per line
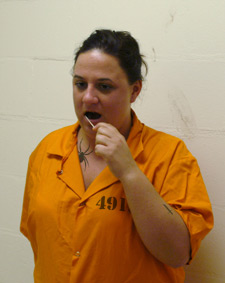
98 63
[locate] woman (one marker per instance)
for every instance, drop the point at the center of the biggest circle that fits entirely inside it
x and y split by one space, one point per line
110 199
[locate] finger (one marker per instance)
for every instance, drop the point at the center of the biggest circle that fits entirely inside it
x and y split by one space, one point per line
106 126
101 150
97 126
106 131
102 139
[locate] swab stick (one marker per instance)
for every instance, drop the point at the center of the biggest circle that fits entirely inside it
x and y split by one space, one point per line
89 122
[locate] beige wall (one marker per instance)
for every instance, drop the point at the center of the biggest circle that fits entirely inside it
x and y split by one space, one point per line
184 95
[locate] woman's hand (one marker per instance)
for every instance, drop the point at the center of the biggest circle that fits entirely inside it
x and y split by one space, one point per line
113 148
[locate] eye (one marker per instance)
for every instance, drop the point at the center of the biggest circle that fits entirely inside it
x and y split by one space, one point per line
80 85
105 87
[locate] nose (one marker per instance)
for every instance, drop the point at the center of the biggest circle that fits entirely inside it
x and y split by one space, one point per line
90 96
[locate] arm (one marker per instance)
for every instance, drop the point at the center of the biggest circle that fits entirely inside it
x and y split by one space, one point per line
160 227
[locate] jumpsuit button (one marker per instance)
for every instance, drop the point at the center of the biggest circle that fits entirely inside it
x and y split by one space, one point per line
60 172
77 254
82 204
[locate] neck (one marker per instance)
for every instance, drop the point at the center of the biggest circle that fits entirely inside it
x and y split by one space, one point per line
87 141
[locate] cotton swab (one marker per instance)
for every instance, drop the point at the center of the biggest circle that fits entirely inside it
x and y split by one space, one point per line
89 121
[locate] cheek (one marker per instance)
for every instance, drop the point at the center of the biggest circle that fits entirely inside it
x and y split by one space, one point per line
76 98
77 105
121 101
117 109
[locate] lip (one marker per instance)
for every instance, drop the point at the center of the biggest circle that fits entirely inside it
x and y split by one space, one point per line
94 121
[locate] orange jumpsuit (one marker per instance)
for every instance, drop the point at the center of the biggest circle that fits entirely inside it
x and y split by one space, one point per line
89 236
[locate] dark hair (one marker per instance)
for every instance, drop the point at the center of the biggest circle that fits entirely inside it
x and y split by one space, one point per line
119 44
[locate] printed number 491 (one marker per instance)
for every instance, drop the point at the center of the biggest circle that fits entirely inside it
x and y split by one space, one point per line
111 203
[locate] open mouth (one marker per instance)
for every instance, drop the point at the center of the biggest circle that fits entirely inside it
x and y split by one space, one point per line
93 115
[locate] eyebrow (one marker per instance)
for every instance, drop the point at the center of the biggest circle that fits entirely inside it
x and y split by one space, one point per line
101 79
77 77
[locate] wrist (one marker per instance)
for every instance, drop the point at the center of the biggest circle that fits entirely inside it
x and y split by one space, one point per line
130 174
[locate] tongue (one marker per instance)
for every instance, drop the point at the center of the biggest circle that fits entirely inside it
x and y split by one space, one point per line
93 115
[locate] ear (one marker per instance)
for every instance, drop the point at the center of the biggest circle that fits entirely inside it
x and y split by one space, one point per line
136 89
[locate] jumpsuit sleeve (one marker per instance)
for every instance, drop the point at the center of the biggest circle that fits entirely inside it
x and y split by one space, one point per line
185 191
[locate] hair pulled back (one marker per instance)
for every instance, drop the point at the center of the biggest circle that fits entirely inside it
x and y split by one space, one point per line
119 44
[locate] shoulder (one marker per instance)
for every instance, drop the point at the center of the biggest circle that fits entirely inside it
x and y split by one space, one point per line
158 137
59 134
163 145
152 139
56 142
154 145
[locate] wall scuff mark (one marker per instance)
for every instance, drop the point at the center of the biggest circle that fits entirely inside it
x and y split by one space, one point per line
182 115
